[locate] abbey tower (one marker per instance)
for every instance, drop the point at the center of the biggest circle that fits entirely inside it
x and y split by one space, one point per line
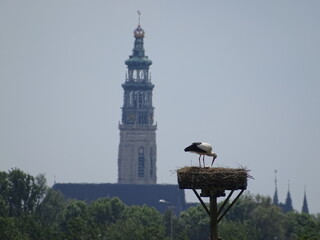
137 149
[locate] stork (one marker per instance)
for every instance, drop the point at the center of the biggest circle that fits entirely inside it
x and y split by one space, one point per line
202 149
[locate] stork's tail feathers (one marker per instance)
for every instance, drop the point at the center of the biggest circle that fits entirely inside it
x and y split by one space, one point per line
190 148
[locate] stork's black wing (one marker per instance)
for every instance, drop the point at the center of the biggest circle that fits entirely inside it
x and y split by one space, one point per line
194 148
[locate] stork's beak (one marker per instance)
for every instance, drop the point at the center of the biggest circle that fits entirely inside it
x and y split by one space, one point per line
214 157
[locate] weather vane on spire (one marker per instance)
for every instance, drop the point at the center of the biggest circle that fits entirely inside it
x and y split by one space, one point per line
138 32
139 13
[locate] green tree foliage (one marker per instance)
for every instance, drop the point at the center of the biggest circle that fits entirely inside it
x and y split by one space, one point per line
195 222
303 226
31 211
8 229
77 223
172 226
254 217
235 230
267 223
138 222
105 212
50 210
243 209
20 192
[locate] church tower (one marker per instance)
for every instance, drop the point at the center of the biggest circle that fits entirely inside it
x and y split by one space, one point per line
137 149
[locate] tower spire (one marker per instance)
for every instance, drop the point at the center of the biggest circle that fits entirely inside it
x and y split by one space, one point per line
288 204
305 208
139 14
275 196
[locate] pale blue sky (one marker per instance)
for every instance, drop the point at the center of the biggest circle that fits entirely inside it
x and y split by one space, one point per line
242 75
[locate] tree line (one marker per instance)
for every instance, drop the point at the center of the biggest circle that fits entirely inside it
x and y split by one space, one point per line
30 210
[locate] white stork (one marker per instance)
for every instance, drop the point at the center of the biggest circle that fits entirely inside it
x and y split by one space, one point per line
202 149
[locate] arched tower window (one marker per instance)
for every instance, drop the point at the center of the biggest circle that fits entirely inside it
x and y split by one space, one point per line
140 99
151 162
141 77
135 75
141 162
135 99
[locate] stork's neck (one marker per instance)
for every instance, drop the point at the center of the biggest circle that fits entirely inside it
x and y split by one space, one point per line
211 154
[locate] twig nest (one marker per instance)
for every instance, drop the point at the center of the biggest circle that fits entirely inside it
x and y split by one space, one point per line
213 178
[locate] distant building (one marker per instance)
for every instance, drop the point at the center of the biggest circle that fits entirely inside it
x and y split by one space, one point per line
275 196
137 156
287 205
305 208
160 196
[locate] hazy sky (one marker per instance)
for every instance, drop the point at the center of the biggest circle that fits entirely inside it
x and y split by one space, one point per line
242 75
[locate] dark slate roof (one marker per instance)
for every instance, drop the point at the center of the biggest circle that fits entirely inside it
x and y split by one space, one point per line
130 194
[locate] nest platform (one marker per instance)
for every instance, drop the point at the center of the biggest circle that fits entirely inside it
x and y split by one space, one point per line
213 183
219 179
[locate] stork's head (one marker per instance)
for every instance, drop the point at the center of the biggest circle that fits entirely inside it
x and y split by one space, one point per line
214 156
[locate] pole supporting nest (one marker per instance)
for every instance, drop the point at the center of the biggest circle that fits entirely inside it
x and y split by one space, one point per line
228 208
213 182
201 201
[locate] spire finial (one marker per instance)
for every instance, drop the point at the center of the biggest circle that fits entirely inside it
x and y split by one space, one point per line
275 177
139 13
138 32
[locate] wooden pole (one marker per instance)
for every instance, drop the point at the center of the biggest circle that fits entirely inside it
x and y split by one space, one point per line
233 202
213 217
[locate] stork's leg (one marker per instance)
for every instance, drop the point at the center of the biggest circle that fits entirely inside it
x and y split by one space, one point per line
199 161
204 165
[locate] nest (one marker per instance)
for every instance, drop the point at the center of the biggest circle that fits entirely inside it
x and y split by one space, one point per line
213 178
